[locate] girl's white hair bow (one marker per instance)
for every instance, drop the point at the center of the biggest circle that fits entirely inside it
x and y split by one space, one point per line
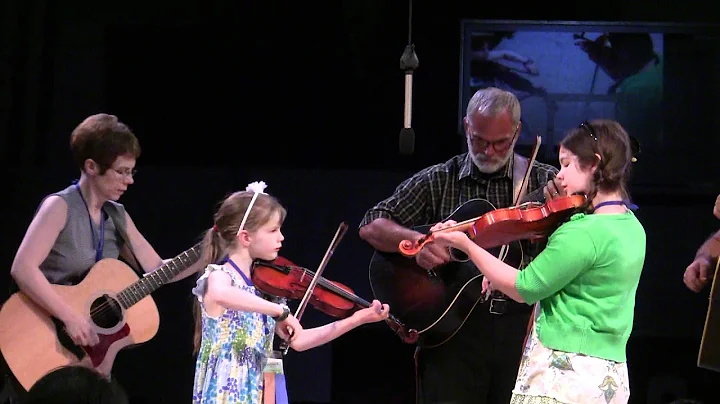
257 187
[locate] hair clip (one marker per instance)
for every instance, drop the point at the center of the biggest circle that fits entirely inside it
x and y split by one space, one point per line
589 129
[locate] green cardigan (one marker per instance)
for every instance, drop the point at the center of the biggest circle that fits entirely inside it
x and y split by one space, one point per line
585 280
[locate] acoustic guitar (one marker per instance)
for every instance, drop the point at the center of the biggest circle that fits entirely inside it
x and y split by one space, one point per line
436 303
115 300
709 354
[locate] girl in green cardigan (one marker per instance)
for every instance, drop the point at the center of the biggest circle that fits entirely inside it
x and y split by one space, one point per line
584 280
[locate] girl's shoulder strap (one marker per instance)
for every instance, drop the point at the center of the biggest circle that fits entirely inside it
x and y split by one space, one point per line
202 282
234 276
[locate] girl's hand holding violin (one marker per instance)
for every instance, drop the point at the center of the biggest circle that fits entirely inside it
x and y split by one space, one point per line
289 328
455 239
376 312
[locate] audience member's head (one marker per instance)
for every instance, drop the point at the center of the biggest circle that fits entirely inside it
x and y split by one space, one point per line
77 385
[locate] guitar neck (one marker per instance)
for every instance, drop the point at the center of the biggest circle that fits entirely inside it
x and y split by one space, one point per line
159 277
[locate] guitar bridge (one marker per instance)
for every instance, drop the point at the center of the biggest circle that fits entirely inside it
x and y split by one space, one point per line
431 273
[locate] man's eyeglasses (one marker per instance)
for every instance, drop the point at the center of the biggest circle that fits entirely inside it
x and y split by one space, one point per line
498 145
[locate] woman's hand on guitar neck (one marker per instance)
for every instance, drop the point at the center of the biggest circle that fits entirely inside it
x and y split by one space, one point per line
80 330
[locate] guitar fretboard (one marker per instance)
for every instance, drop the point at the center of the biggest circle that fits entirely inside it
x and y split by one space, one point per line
159 277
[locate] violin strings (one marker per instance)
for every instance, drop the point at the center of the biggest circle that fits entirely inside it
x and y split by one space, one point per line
334 288
342 292
355 298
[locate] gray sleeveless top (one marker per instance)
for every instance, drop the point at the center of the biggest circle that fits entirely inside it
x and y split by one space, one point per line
74 251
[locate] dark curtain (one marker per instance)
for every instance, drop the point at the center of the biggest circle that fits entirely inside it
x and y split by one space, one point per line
26 70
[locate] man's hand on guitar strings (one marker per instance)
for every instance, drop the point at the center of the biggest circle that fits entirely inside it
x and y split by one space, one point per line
486 288
432 256
697 273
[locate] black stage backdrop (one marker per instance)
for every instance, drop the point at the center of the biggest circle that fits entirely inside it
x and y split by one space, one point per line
307 98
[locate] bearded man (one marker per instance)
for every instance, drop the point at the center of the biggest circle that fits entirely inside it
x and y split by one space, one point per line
479 362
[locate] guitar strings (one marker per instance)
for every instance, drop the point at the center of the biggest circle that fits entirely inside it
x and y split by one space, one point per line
102 309
107 305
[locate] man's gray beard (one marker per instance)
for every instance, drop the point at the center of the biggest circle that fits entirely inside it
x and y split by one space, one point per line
489 168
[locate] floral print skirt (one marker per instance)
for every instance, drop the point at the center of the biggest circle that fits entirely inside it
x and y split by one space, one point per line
229 378
548 376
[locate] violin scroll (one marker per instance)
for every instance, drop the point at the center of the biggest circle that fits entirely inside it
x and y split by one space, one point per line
407 336
411 248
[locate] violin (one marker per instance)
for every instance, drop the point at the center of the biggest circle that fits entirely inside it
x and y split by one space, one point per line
282 278
528 221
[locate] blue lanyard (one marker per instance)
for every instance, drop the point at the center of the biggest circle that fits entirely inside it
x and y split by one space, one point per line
231 262
101 236
247 280
627 204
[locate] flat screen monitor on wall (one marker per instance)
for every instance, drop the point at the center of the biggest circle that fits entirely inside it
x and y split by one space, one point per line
660 81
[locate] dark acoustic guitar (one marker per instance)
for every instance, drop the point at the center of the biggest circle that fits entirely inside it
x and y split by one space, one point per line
709 354
436 303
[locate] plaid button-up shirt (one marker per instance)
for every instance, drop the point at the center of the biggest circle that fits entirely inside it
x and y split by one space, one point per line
432 194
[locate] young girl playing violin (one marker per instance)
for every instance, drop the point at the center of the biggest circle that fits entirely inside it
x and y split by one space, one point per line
585 279
235 322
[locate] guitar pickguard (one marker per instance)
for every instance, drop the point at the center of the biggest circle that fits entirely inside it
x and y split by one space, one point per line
97 352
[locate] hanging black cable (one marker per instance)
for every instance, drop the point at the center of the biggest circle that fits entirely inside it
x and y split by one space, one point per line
408 62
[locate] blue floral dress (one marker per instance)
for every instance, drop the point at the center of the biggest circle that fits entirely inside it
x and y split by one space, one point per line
234 349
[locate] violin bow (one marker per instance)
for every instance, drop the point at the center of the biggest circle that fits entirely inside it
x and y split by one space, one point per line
504 248
536 148
339 234
523 185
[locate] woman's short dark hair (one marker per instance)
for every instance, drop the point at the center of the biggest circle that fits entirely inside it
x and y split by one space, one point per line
102 138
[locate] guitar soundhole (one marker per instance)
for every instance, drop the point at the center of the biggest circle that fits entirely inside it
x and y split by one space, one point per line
106 312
